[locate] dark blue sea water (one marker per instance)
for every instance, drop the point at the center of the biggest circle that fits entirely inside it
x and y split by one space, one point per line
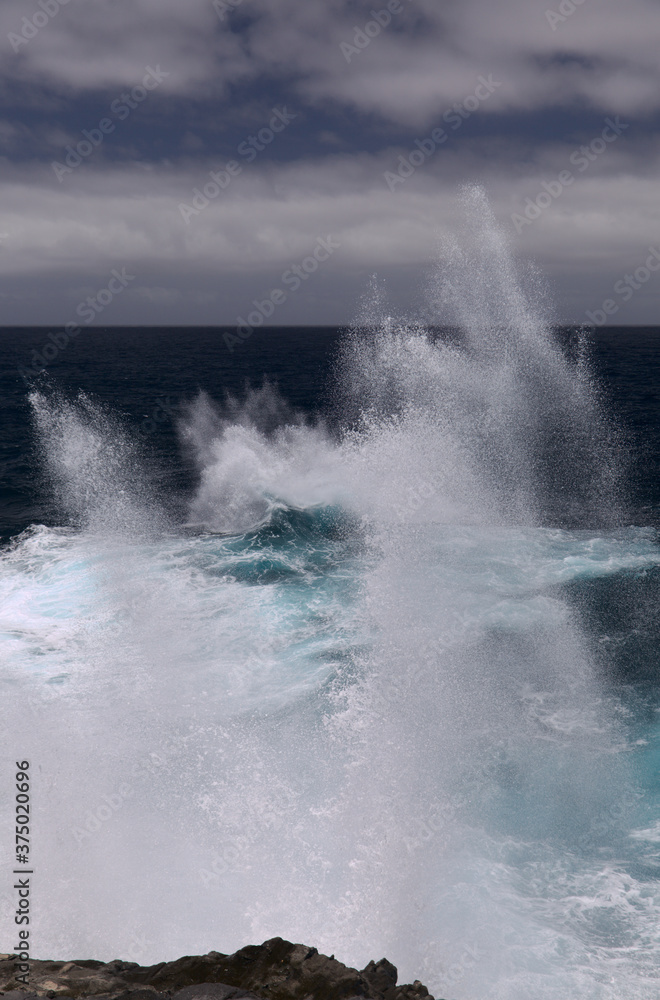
147 374
346 637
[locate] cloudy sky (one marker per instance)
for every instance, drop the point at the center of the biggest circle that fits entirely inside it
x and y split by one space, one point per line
347 122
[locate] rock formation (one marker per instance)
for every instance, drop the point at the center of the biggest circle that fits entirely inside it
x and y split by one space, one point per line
275 970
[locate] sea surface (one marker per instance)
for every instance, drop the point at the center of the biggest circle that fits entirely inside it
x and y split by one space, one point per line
347 636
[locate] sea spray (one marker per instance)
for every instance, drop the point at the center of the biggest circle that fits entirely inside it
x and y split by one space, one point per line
349 698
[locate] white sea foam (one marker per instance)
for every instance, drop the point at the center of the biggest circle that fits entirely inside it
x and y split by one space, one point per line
356 705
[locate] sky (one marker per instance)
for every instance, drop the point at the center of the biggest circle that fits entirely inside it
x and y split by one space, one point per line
185 160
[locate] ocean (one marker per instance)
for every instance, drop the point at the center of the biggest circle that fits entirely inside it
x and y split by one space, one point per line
346 636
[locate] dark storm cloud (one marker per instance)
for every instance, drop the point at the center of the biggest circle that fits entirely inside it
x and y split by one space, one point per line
516 89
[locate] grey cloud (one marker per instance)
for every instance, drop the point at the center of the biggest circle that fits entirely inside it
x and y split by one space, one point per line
90 44
272 216
404 74
63 238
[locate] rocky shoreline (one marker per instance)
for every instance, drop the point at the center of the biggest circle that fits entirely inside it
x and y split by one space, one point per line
274 970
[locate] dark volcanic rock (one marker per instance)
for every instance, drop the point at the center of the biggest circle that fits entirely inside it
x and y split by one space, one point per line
275 970
213 991
382 975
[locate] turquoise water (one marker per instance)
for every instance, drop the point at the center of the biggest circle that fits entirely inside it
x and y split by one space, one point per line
381 679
